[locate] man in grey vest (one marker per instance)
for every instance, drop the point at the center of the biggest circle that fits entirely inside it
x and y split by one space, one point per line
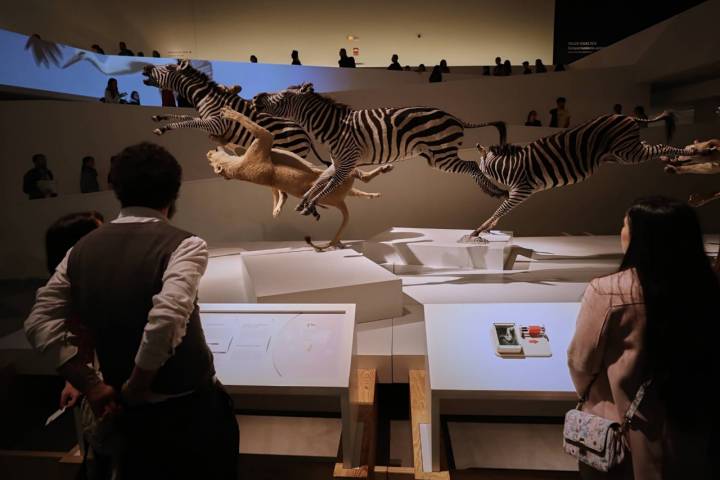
132 284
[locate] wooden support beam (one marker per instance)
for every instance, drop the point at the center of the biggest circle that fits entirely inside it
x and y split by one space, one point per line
367 415
420 413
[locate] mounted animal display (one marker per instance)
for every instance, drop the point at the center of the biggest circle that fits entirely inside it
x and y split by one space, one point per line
284 172
209 98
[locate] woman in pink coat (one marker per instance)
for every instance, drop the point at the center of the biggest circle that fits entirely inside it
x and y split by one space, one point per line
654 319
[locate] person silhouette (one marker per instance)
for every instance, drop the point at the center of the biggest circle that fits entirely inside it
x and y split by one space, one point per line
436 74
346 61
395 65
295 57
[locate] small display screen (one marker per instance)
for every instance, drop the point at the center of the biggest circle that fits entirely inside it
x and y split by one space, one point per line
506 335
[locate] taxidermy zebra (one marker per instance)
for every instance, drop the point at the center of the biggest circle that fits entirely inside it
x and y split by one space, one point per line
567 157
209 98
373 136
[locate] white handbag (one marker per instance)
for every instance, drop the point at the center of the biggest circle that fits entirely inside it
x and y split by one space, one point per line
597 441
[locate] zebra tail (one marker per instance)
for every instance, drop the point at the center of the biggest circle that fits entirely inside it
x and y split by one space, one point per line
670 123
500 125
324 162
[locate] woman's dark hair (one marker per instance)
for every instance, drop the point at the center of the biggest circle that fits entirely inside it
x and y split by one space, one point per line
530 114
65 232
145 175
682 301
112 86
86 160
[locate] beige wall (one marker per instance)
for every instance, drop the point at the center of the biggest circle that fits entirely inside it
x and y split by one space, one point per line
465 32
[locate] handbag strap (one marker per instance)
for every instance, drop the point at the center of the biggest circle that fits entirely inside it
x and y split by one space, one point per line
583 398
632 410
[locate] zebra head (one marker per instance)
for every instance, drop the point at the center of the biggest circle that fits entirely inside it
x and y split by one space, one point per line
284 103
179 77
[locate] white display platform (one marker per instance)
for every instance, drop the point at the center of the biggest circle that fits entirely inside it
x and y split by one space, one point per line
306 276
462 364
288 350
435 248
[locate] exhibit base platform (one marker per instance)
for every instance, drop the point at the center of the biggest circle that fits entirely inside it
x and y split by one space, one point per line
306 276
438 248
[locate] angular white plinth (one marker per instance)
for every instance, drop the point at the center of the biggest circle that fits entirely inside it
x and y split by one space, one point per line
435 248
306 276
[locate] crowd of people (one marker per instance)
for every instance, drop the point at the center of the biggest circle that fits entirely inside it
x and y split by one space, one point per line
560 115
500 69
134 348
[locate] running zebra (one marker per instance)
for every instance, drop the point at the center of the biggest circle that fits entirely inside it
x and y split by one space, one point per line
373 136
567 157
209 98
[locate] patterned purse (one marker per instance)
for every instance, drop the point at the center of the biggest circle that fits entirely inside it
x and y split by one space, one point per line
596 441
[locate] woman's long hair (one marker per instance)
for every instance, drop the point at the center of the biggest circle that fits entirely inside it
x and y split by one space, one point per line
682 300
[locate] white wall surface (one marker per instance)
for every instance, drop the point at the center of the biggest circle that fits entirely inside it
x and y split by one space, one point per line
465 32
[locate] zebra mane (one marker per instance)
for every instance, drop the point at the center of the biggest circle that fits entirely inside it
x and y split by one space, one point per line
323 98
204 77
506 149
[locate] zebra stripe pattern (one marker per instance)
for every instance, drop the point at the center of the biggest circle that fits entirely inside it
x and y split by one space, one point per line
374 136
566 158
209 98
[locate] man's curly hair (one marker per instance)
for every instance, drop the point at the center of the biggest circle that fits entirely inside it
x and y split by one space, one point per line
145 175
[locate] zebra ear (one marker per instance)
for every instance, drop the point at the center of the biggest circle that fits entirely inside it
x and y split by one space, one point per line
182 64
307 88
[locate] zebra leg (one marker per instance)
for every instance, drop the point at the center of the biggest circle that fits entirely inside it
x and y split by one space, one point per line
472 169
516 197
367 176
316 187
451 162
342 173
214 126
162 118
642 152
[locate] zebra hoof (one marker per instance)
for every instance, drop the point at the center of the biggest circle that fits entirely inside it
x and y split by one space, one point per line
158 131
157 118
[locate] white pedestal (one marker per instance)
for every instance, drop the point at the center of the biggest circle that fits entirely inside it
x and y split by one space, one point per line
306 276
435 248
289 350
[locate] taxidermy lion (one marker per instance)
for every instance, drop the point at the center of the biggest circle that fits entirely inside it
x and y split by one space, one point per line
284 172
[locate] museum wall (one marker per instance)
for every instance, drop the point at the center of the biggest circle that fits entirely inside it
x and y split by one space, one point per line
662 51
465 32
